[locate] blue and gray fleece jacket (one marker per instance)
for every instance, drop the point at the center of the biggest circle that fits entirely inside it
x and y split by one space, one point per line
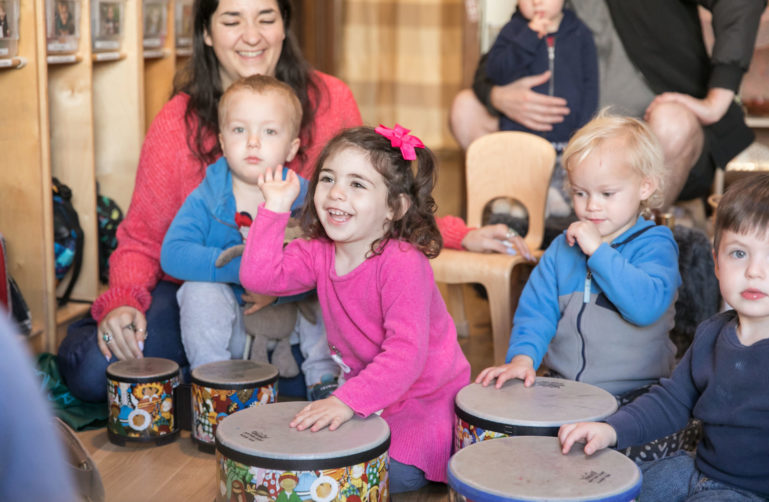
605 319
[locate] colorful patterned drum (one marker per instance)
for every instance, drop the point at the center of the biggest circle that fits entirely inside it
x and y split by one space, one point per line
533 468
223 387
141 400
514 410
258 453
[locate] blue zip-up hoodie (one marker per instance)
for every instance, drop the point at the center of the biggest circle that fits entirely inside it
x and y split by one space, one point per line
610 327
205 226
519 52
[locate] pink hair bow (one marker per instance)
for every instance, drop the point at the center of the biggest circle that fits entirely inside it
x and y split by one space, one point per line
400 138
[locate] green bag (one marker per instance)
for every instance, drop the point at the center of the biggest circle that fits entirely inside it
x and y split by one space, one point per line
77 414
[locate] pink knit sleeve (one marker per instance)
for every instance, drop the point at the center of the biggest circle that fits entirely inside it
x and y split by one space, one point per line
166 173
453 230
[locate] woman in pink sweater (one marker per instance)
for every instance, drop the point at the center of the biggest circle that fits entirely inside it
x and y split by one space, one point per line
138 315
369 215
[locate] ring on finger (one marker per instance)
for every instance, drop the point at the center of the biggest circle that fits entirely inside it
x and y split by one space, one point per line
106 336
511 233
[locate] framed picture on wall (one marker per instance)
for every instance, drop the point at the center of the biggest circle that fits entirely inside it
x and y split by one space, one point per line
183 23
9 27
106 24
62 25
155 17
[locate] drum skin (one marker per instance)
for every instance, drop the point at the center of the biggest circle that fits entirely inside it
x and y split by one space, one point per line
258 453
140 397
526 468
483 413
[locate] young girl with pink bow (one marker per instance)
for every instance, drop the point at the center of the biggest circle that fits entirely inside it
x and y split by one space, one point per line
369 218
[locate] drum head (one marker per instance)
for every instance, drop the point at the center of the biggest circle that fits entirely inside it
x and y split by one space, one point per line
234 374
260 437
524 468
147 369
550 402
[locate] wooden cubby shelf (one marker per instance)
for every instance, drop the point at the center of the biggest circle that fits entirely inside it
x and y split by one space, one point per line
81 118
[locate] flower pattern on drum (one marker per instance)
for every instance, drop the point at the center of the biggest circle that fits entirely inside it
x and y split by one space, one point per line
210 405
466 434
367 481
141 410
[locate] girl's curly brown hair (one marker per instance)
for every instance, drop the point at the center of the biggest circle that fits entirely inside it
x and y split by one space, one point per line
414 179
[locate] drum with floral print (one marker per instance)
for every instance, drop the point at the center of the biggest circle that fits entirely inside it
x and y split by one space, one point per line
221 388
260 458
514 410
140 396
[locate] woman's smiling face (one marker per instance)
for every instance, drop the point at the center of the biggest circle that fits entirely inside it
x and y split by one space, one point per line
247 38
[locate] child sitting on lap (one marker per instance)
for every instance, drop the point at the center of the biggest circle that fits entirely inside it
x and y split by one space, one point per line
259 119
601 300
721 380
369 216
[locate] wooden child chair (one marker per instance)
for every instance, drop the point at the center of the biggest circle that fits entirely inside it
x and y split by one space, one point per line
501 164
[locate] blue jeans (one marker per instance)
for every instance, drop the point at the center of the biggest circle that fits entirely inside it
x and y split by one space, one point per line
676 478
405 477
84 367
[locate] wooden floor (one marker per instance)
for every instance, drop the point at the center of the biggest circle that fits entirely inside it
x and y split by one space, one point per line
179 472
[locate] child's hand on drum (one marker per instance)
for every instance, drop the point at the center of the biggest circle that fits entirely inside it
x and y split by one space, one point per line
279 194
318 414
521 367
596 435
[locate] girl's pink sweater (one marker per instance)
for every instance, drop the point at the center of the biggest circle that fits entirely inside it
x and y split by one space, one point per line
168 172
387 321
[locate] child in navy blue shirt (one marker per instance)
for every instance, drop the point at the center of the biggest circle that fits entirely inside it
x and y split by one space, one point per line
543 36
721 380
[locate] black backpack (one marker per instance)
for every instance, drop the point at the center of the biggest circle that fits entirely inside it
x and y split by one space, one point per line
68 238
110 216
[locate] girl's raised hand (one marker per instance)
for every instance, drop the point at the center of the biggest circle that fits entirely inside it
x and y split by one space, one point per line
279 194
331 412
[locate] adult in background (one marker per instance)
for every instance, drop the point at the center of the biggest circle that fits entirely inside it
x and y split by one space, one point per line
138 316
652 64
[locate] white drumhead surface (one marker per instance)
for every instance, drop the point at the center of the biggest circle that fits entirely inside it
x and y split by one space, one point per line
263 431
533 468
550 402
146 367
234 371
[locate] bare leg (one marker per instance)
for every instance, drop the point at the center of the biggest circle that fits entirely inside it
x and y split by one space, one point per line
682 138
469 119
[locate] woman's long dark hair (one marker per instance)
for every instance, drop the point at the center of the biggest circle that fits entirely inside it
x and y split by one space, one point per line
200 80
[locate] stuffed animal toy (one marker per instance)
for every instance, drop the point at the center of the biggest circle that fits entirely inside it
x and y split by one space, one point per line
273 323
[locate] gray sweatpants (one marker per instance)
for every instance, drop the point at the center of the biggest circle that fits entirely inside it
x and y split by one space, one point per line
212 330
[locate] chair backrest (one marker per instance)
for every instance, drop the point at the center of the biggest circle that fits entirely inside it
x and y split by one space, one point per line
510 164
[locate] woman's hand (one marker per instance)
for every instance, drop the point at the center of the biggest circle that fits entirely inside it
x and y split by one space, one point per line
279 194
318 414
498 239
597 435
531 109
521 367
122 333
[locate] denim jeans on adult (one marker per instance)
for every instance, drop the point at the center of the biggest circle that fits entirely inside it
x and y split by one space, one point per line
83 366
